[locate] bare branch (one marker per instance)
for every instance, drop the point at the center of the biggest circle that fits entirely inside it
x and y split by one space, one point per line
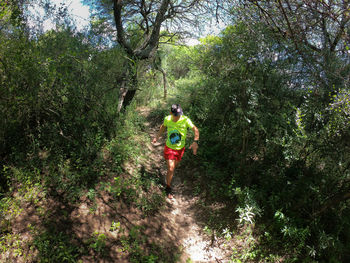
150 44
117 8
269 18
289 26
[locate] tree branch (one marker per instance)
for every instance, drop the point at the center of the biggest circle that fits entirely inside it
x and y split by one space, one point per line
325 32
269 17
344 21
117 9
150 44
289 26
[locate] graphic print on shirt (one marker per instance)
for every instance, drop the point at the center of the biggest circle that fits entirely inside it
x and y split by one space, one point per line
174 137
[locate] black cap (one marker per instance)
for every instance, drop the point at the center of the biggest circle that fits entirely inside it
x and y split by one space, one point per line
176 109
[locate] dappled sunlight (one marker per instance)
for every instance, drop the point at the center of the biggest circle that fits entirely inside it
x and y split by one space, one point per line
83 176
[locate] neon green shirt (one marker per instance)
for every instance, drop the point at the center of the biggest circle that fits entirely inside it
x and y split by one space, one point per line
177 131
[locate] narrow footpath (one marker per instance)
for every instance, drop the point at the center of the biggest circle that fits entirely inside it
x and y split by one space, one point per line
182 212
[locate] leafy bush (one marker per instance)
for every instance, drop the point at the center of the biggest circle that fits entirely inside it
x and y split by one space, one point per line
282 148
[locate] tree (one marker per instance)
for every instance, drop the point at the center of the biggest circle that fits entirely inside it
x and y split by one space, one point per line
318 30
11 14
138 26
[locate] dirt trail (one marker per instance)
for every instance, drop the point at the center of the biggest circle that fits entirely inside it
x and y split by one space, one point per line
182 212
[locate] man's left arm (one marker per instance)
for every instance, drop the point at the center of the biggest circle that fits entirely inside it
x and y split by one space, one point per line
194 145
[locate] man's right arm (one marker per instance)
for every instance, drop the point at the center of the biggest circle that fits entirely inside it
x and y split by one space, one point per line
160 132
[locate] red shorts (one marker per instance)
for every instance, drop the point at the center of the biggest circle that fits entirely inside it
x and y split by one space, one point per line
171 154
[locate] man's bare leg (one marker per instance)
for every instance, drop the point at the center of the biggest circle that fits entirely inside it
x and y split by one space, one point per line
170 172
171 164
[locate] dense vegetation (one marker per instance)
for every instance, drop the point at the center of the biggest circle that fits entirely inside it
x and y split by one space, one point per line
272 109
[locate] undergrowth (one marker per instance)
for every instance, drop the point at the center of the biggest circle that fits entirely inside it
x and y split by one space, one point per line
64 181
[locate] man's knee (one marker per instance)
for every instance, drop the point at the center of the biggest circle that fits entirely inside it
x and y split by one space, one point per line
171 165
171 168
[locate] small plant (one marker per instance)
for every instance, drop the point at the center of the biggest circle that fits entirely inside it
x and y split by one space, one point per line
208 230
98 242
196 190
105 186
152 204
91 194
227 234
115 226
246 215
93 208
117 187
11 244
136 245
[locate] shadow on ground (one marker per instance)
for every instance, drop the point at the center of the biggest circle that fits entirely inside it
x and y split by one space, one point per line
104 229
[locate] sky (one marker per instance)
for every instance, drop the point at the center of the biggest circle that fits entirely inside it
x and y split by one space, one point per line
79 12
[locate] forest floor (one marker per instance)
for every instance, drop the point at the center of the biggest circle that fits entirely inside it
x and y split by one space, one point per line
151 228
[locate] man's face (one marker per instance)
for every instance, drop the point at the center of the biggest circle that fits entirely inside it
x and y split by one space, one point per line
175 118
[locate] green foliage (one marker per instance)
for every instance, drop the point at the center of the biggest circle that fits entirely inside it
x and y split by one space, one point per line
339 110
281 147
150 88
98 242
11 244
115 226
240 103
135 190
56 247
180 61
126 148
11 15
134 244
52 83
60 133
57 109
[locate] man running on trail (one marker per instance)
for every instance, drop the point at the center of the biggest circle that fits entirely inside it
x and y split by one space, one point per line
176 125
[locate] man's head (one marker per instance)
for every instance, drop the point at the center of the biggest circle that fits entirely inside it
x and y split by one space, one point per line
176 110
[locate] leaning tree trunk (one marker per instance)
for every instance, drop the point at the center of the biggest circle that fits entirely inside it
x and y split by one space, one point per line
165 82
123 90
128 87
126 95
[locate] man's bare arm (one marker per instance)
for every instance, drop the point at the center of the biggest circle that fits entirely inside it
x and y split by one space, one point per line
194 145
196 133
160 132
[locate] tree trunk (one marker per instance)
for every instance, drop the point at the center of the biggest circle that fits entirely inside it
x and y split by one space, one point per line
125 98
129 96
122 93
165 82
128 87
